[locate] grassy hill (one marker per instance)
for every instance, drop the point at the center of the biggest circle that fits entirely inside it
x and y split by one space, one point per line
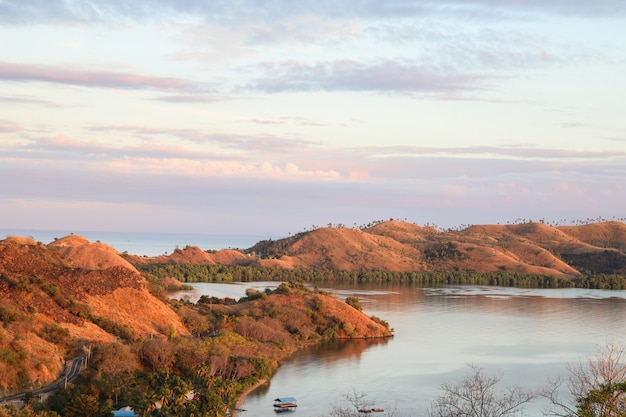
525 248
72 296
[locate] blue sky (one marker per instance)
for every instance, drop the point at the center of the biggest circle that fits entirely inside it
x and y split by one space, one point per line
271 117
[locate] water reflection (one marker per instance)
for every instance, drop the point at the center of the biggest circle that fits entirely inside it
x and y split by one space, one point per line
525 335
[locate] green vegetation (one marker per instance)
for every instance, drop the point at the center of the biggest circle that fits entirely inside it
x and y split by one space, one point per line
603 262
354 302
235 273
233 346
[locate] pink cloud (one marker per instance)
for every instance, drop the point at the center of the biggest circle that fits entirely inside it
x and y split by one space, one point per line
349 75
7 126
89 78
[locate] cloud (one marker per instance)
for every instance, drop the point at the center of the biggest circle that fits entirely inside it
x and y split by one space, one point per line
67 11
105 79
277 203
349 75
497 152
582 8
63 147
7 126
214 155
194 99
445 186
226 140
299 121
27 101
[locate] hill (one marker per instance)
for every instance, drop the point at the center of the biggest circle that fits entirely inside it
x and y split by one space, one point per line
60 300
192 255
527 248
60 297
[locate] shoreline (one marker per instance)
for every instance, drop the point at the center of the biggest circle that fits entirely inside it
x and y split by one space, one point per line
245 393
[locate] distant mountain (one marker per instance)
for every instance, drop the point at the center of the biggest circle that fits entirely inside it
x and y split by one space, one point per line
534 248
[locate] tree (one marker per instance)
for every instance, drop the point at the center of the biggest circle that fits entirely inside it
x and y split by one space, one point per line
359 403
354 302
158 353
478 395
608 401
597 386
11 410
115 363
83 406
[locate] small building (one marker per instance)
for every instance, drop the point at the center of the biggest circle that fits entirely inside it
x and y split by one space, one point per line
285 403
124 412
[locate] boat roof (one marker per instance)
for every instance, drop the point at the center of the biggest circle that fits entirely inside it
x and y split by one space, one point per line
286 399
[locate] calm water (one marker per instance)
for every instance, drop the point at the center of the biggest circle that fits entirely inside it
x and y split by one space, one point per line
149 244
526 336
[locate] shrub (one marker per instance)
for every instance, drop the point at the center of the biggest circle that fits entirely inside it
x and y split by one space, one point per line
354 302
54 333
51 289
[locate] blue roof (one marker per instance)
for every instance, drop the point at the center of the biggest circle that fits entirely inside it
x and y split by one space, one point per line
124 412
286 399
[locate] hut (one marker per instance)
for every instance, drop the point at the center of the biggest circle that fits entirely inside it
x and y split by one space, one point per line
285 403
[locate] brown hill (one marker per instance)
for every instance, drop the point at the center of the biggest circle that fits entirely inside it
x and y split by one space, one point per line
56 298
192 255
309 312
351 249
533 248
603 235
59 300
81 253
403 232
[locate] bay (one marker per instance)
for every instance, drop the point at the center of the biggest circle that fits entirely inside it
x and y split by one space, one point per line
525 336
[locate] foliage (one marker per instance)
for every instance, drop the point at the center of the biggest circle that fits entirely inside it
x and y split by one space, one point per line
212 273
84 405
605 262
354 302
356 404
233 346
11 410
9 314
443 251
56 334
597 385
477 395
121 330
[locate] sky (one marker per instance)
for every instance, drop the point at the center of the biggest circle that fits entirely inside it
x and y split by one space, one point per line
273 117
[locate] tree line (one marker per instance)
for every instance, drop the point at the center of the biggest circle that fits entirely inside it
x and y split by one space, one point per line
245 273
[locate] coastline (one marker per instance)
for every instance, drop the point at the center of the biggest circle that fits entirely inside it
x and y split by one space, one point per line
245 393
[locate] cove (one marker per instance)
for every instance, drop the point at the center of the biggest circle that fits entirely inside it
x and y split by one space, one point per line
524 335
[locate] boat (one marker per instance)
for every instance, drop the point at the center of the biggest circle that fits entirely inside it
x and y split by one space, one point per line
285 404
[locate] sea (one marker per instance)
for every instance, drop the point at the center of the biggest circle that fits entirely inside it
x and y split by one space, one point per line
145 243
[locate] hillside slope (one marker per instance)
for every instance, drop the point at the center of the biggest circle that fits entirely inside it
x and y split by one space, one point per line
58 298
531 248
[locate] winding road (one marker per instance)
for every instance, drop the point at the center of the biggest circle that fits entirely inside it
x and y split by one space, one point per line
70 373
